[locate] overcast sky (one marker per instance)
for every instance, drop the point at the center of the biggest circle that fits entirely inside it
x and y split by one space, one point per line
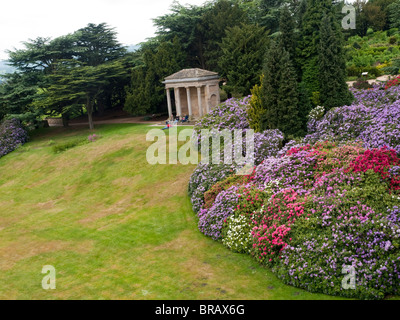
21 20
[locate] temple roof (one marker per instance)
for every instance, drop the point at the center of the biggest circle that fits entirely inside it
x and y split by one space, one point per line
191 75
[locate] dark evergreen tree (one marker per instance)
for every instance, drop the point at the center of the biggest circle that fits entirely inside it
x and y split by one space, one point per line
280 95
17 92
243 51
308 47
185 23
146 93
214 23
289 120
97 44
305 105
137 102
287 27
394 14
334 91
270 86
300 12
270 14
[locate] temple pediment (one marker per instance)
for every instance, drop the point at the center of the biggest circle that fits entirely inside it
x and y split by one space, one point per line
188 75
195 92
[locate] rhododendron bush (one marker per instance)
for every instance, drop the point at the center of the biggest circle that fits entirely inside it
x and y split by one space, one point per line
373 119
320 206
233 115
12 135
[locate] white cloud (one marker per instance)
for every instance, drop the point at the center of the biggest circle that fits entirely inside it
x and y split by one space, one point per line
21 20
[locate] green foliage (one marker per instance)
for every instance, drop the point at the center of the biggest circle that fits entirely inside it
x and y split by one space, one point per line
146 93
394 68
200 29
60 76
310 36
270 85
287 28
373 192
98 45
353 71
268 14
305 105
280 95
392 40
74 85
30 120
375 55
185 24
17 93
215 22
289 120
394 14
308 49
310 76
255 110
136 102
243 49
334 91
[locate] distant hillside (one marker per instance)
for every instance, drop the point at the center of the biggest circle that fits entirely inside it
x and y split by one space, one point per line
133 48
4 68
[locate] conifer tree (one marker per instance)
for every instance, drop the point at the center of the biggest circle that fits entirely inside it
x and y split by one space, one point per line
289 120
280 96
256 110
270 86
287 28
308 47
243 51
146 92
334 91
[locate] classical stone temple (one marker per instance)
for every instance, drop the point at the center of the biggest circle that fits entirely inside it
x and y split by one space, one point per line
196 91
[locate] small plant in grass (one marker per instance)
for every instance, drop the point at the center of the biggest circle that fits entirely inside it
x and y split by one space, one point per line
64 146
93 137
362 83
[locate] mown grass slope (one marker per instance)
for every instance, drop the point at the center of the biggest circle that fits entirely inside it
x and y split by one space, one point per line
113 226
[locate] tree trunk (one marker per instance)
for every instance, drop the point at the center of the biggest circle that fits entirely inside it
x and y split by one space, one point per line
65 119
89 108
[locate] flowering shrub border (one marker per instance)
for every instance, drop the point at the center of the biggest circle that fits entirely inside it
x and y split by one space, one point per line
12 135
323 204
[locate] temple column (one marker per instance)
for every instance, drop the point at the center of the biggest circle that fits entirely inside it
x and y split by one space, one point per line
178 102
189 101
199 101
208 98
169 104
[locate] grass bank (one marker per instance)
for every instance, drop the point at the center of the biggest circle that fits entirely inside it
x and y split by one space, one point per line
113 226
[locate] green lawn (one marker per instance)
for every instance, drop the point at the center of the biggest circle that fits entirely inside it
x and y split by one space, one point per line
113 226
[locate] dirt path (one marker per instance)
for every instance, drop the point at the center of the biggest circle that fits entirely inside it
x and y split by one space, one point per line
135 120
138 120
378 80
